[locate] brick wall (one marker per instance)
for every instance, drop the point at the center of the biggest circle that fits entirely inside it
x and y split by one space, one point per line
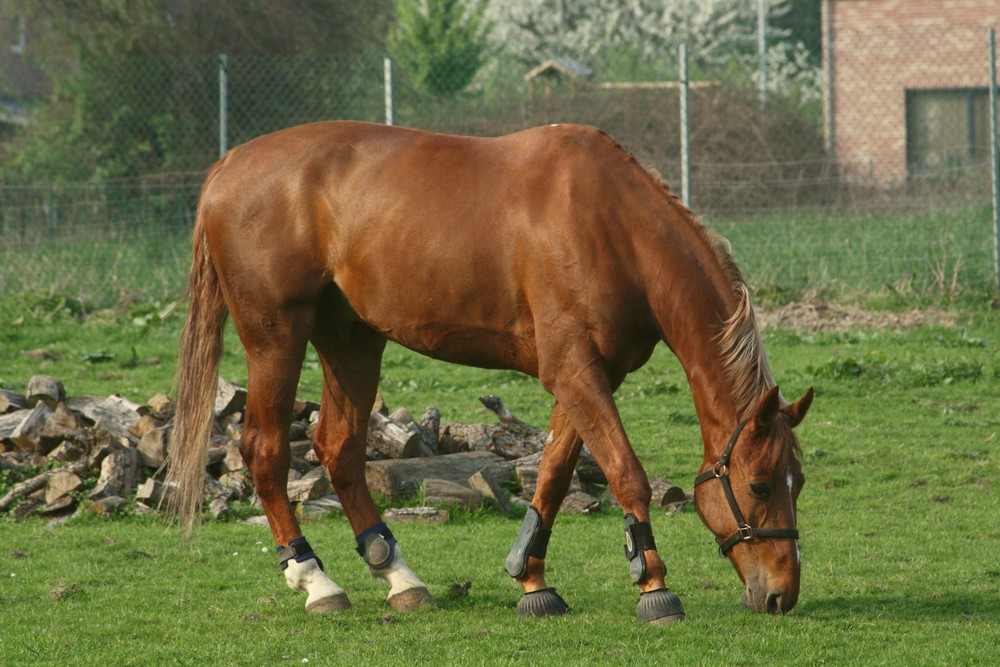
878 49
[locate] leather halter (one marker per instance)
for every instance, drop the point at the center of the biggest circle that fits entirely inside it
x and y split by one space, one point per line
744 531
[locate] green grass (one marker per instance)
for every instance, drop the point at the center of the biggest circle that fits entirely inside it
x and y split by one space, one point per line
898 519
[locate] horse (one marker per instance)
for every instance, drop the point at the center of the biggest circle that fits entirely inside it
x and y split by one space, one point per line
551 251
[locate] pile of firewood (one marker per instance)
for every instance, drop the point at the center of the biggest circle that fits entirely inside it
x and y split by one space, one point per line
107 455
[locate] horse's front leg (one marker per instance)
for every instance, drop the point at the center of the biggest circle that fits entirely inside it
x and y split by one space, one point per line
526 561
350 374
586 398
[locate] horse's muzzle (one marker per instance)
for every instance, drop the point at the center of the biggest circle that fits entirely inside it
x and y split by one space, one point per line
773 602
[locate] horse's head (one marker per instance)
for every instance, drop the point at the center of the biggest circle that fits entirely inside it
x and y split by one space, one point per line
747 497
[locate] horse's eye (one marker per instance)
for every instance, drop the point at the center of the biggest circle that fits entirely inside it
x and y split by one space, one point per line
761 491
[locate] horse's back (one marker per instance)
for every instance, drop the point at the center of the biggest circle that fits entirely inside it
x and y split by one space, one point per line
443 243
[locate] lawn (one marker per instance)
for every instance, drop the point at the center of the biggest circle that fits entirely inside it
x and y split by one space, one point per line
898 518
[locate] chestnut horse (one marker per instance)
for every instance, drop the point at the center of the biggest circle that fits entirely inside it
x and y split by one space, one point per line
552 252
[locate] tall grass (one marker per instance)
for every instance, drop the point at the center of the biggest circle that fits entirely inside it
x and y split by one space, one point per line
938 256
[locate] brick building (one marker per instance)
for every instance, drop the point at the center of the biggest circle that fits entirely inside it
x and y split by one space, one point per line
906 85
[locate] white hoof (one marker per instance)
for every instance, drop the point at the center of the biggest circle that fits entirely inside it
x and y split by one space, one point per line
323 593
406 591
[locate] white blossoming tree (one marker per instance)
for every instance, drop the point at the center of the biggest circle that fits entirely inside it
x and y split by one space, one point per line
719 34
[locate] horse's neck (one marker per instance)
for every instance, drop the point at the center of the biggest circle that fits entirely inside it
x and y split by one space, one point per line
691 307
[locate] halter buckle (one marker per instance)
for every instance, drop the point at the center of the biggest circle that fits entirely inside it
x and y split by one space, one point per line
745 532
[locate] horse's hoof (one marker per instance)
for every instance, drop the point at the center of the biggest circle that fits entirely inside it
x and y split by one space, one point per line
411 599
337 602
545 602
659 607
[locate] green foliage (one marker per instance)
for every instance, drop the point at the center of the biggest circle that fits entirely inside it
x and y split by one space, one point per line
441 43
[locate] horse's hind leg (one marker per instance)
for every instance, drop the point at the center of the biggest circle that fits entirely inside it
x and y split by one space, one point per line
526 562
351 358
274 361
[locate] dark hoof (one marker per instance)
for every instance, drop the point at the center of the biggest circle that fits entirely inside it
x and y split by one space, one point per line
545 602
659 607
411 600
333 603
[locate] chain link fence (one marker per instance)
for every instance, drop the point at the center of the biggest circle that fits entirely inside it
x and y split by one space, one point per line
882 182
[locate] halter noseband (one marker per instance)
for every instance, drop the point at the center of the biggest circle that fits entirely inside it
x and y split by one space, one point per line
744 531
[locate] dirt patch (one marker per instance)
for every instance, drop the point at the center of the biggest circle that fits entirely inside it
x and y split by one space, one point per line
812 316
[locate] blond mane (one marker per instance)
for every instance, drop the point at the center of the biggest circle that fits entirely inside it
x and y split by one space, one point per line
744 359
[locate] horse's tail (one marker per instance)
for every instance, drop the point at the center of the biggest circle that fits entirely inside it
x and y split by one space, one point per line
196 381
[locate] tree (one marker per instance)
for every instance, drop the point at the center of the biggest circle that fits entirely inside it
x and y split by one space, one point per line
719 33
132 83
442 43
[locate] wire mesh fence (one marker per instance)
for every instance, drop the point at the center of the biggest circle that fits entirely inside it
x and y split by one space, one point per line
883 181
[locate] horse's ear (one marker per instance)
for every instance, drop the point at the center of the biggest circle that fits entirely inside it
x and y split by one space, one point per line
769 406
796 412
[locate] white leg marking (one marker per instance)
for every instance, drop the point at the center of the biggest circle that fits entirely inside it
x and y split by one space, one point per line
398 574
308 578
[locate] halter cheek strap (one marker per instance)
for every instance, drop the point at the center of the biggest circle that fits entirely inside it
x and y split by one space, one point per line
744 531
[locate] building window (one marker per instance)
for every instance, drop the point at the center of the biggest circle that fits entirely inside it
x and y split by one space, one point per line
946 129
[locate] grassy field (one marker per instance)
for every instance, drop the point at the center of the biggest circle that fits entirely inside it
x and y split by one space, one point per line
899 521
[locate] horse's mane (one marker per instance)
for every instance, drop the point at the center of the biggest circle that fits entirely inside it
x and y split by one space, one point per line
744 359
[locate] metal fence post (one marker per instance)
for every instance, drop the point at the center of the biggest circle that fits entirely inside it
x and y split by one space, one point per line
995 156
685 130
762 46
223 105
387 63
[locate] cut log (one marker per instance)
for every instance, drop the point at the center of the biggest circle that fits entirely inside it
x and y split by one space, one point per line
487 485
430 429
578 502
219 509
11 401
665 493
115 415
45 389
526 475
321 506
28 434
37 482
445 492
214 489
153 447
69 451
411 514
61 484
458 437
150 491
401 478
160 404
391 439
121 473
11 421
402 417
108 505
233 460
309 487
229 398
61 426
144 425
58 506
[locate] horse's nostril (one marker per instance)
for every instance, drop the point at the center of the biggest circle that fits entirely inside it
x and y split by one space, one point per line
774 605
